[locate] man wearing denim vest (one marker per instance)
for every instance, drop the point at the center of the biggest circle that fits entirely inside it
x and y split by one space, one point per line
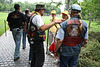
72 35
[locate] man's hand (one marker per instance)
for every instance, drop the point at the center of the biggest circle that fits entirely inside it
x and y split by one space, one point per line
63 20
84 43
58 21
56 55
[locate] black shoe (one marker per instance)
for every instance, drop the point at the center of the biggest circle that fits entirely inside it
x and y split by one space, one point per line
24 48
16 59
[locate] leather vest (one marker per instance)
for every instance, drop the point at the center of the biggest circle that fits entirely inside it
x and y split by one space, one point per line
33 32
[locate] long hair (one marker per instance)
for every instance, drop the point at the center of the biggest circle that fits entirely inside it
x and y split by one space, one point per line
78 14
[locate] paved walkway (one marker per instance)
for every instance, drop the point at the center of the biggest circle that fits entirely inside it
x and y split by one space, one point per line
7 51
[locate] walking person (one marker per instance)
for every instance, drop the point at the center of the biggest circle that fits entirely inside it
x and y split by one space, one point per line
72 34
16 19
27 17
37 35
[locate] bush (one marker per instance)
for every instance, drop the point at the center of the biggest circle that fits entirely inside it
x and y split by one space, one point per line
90 56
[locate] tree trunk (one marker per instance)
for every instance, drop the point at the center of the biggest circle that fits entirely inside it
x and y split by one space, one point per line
90 19
68 4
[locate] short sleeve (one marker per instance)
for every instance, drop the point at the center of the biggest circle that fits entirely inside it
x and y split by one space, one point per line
60 34
86 34
38 21
8 18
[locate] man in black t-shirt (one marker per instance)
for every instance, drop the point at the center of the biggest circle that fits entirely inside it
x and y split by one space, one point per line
17 22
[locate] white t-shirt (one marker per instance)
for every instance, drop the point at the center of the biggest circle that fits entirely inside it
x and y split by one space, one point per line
38 21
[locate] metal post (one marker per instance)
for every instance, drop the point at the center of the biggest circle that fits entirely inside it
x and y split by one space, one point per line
47 42
5 27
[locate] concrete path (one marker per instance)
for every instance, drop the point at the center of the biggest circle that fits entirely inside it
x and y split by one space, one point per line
7 47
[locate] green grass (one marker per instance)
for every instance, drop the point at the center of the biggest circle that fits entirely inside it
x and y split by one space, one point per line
95 25
3 16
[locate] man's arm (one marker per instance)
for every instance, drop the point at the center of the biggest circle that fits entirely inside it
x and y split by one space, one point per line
85 42
47 26
25 25
59 42
86 37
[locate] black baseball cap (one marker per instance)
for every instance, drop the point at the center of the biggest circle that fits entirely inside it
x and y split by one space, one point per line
40 6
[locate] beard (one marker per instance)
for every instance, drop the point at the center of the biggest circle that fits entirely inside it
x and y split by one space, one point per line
41 14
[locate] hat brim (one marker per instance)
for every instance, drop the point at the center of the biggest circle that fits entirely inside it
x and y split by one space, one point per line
41 8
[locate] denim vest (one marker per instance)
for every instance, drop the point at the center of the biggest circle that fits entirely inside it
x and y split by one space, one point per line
72 50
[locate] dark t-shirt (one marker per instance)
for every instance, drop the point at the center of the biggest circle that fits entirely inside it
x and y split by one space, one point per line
16 19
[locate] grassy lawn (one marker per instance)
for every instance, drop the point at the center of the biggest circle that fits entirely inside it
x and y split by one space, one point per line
95 26
3 16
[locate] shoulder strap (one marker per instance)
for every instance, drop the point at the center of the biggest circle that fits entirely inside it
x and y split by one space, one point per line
61 27
55 26
31 20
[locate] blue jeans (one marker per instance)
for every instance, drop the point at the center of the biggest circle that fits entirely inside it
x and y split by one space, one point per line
16 32
30 50
70 61
24 39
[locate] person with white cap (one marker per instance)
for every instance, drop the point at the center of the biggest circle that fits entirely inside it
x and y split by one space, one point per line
72 34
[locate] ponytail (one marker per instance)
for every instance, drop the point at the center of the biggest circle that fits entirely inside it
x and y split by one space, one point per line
78 14
80 26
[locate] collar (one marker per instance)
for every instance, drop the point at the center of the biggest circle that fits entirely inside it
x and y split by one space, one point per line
38 13
75 16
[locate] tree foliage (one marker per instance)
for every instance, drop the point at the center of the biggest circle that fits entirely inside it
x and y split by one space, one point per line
91 5
8 5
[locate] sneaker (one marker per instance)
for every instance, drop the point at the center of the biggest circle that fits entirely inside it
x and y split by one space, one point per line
51 54
29 62
24 48
56 61
16 59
